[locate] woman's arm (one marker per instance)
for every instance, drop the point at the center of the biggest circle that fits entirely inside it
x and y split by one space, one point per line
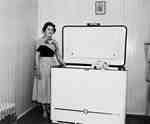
58 56
37 57
37 62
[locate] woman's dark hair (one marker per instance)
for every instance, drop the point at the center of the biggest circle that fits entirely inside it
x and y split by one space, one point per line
49 24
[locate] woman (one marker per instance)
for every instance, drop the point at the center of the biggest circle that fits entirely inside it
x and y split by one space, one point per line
47 55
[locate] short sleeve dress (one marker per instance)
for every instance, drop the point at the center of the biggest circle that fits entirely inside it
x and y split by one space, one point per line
41 88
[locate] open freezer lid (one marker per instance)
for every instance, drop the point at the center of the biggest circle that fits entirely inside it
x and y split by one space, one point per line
90 44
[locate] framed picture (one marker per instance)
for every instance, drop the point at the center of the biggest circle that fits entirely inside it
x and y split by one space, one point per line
100 7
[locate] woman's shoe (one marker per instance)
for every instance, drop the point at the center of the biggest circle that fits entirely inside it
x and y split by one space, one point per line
49 120
48 117
44 114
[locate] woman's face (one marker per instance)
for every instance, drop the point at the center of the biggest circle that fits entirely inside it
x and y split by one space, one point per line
49 31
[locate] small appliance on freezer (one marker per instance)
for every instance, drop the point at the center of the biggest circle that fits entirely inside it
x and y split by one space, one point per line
91 88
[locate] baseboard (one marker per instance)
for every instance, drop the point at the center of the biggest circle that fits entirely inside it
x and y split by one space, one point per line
138 117
26 111
132 113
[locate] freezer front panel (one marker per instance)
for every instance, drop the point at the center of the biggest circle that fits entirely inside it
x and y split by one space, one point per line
80 93
84 44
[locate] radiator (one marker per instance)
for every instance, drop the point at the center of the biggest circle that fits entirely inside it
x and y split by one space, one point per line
7 113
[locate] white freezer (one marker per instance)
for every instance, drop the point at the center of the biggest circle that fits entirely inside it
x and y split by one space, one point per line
88 96
82 94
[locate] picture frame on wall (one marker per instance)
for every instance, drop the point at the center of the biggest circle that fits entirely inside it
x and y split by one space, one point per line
100 7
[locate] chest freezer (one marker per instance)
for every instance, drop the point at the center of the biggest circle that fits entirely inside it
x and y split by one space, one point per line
82 94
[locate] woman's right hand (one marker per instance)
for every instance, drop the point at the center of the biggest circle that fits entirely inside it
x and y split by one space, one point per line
37 72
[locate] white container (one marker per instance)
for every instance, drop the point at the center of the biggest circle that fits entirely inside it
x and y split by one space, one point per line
81 93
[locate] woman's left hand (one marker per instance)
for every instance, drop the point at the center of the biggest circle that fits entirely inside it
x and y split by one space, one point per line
62 64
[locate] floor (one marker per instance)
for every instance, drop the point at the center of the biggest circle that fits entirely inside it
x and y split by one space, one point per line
35 117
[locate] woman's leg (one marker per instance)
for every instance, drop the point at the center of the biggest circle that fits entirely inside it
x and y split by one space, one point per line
48 112
44 111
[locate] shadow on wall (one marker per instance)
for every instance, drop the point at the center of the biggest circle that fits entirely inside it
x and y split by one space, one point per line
147 61
147 75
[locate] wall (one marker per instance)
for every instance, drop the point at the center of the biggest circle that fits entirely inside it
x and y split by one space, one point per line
134 14
137 18
18 22
66 12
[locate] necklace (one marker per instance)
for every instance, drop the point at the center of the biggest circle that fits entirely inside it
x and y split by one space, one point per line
48 41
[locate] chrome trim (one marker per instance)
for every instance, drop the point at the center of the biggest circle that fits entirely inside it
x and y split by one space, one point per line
86 111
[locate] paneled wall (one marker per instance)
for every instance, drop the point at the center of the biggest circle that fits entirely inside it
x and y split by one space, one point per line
18 27
137 18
